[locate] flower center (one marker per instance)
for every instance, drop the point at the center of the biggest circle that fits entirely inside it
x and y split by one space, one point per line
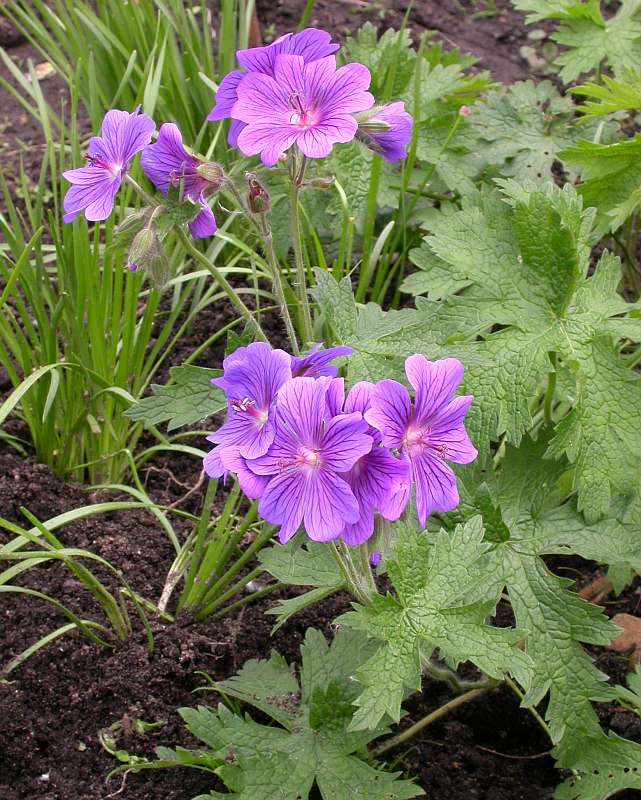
246 406
306 458
303 112
98 161
416 440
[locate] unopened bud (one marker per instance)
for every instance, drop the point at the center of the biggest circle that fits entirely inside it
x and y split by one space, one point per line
142 248
212 173
258 197
321 183
374 126
465 111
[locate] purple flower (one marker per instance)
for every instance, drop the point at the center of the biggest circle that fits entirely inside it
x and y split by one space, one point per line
307 104
308 453
166 163
390 143
375 558
375 478
94 186
252 377
315 363
427 431
310 43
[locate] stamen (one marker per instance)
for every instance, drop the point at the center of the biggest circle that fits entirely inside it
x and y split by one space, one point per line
241 405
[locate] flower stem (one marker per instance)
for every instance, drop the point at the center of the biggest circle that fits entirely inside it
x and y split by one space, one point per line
279 290
389 744
352 583
224 284
549 393
367 569
301 278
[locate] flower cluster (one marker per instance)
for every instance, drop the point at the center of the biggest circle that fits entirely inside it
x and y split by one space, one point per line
316 456
166 163
288 93
292 92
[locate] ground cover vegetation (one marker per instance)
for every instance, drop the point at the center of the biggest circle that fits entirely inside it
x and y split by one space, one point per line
430 383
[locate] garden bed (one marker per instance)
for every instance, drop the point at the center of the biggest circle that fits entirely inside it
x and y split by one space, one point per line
55 705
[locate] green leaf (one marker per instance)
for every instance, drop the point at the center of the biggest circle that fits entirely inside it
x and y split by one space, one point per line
314 744
614 94
527 491
611 176
522 129
527 255
175 210
336 301
446 587
190 399
590 41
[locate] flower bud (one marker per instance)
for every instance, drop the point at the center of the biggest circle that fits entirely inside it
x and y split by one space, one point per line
212 173
465 111
258 197
141 248
321 183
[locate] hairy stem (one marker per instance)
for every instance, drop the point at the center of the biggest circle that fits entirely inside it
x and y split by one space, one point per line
279 289
298 175
202 259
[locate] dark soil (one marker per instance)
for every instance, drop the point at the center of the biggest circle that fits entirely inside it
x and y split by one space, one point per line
55 704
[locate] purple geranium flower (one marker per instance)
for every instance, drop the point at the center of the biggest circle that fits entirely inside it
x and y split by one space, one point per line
94 186
390 143
307 104
310 44
307 455
427 431
251 379
316 362
166 163
375 478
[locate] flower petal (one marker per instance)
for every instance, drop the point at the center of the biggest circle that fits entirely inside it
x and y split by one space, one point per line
93 189
435 485
390 412
125 134
226 95
204 223
456 444
330 505
317 141
434 383
283 502
344 441
301 408
251 484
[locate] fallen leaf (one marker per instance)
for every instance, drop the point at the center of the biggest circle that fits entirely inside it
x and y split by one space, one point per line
629 640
